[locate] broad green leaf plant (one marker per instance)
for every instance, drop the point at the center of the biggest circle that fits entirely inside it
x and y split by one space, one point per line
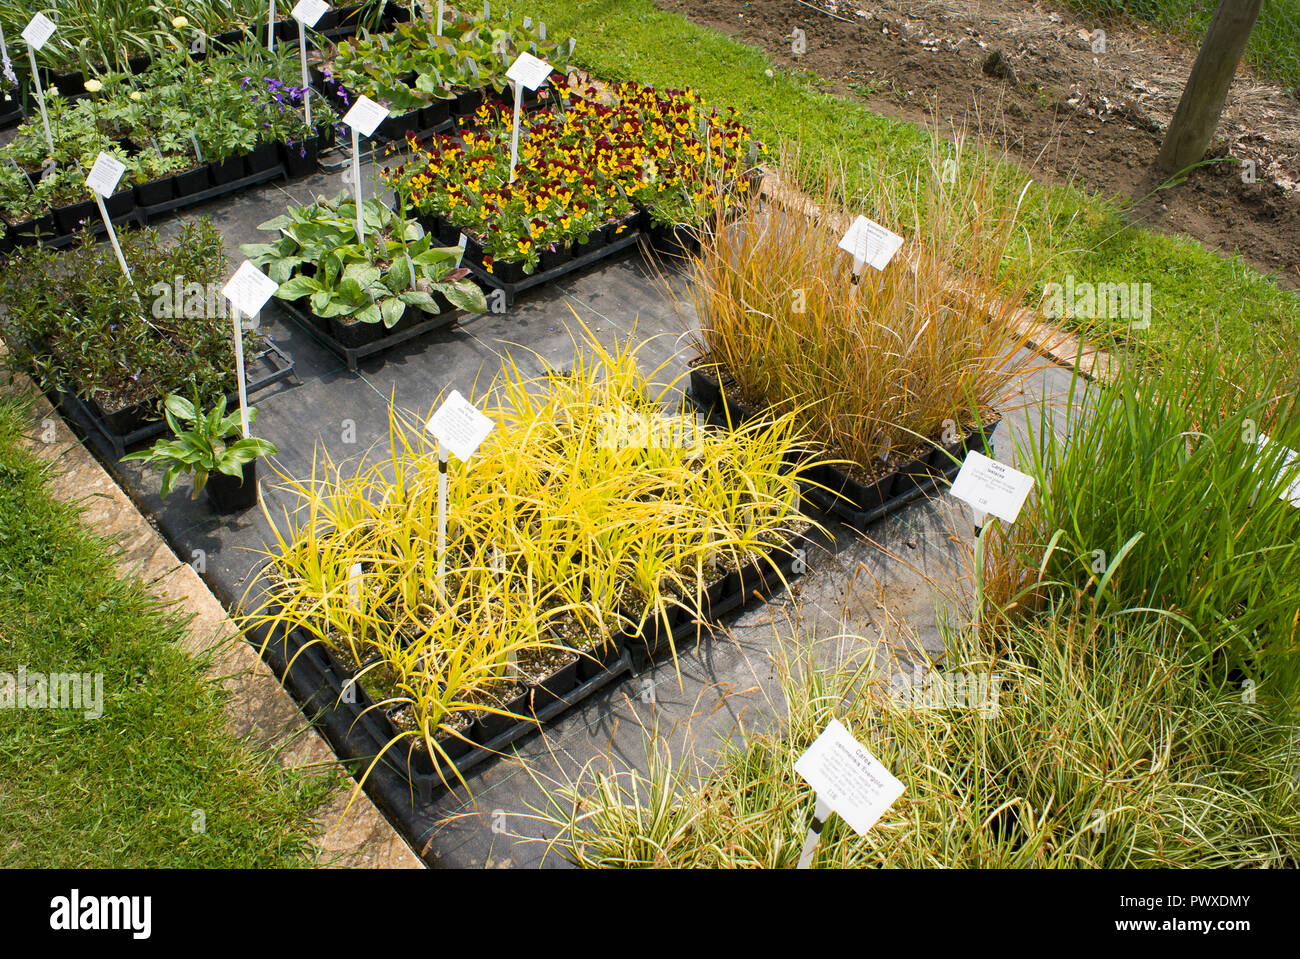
319 256
208 443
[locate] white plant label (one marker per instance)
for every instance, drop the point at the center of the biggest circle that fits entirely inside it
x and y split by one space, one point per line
105 174
354 584
463 241
869 242
38 32
366 115
249 289
459 426
529 70
847 778
309 12
1285 457
991 487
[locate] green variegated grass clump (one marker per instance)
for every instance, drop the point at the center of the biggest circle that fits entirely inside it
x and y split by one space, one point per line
576 519
1100 754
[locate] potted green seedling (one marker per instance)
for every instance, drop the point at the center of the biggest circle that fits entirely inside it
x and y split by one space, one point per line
209 446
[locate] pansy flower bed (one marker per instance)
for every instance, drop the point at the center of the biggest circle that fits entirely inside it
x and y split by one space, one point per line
586 172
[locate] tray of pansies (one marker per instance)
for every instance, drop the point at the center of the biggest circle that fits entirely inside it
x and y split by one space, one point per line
427 80
593 173
361 295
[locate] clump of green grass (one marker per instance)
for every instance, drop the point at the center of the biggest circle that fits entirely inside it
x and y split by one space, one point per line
1100 754
155 782
1160 493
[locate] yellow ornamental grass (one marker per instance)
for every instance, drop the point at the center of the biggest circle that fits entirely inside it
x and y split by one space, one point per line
585 514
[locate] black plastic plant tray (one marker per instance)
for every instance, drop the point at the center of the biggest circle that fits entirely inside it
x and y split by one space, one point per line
281 368
512 290
146 213
353 354
830 488
359 730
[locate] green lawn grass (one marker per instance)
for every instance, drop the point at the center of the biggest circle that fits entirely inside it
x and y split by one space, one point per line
1066 231
156 781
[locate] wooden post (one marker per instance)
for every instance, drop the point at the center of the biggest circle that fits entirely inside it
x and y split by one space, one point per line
1197 116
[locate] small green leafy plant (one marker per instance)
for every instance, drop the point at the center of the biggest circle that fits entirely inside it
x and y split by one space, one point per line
209 443
373 280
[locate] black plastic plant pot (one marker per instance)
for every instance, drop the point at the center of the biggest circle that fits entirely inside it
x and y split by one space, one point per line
6 239
508 271
396 128
126 420
264 156
354 335
594 661
488 726
192 181
140 64
233 494
286 30
230 37
447 234
120 203
553 259
226 171
674 240
467 102
595 241
39 228
155 191
435 114
69 84
555 686
300 159
71 218
395 13
329 20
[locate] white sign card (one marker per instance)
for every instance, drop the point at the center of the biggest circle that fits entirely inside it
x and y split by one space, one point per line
992 487
105 174
365 116
1284 457
38 32
458 426
529 71
869 242
309 12
848 778
249 289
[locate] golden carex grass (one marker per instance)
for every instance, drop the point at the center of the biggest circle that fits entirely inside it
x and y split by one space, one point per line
876 365
586 514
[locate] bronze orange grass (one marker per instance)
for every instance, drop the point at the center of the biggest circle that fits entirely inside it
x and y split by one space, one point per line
883 362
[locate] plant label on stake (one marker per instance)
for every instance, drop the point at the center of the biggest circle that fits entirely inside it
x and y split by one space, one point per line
847 780
869 242
531 72
102 180
364 118
1284 458
991 487
458 426
440 5
308 14
270 26
247 291
36 35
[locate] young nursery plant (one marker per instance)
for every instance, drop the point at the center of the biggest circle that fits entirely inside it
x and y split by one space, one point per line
207 445
884 367
320 261
576 530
